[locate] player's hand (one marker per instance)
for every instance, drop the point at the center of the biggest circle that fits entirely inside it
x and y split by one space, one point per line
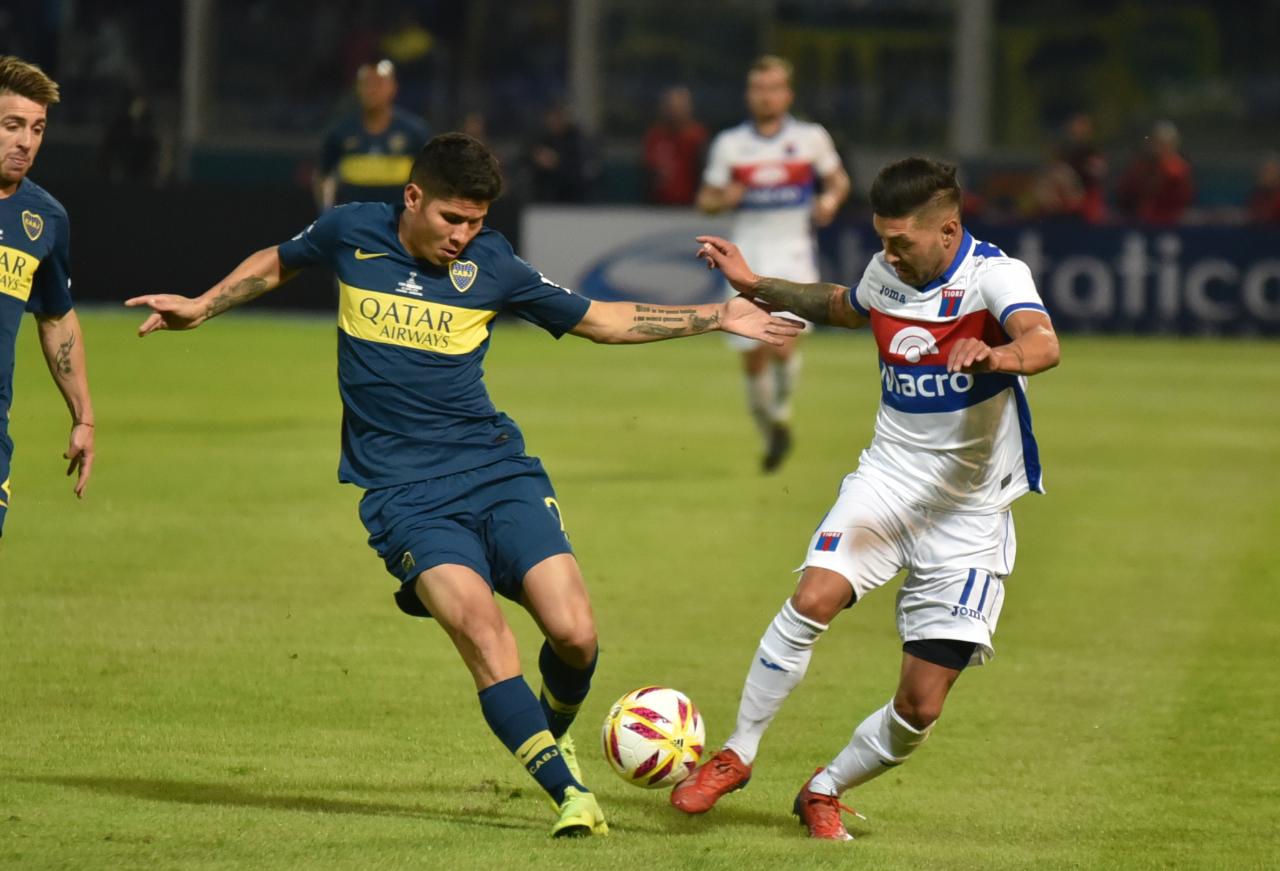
724 255
170 312
747 317
973 356
825 208
80 453
733 194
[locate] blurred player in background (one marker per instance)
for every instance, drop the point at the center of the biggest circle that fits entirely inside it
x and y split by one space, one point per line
766 170
35 269
958 326
366 157
453 505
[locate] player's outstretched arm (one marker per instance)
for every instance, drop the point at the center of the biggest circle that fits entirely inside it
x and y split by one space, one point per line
63 344
627 323
820 302
1033 348
259 273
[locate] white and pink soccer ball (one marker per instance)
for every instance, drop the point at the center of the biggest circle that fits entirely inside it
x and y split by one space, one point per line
653 737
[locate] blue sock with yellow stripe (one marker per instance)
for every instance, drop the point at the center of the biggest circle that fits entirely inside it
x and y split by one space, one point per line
564 688
513 713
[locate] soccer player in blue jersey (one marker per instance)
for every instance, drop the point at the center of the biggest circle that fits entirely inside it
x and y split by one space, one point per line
453 505
35 269
366 156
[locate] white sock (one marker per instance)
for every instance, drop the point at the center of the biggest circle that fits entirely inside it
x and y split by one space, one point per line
760 393
786 374
776 669
882 741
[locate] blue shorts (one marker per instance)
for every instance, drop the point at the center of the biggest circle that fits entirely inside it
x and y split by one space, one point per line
499 520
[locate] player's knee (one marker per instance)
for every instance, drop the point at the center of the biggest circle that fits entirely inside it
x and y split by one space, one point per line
577 645
821 602
580 651
920 712
485 634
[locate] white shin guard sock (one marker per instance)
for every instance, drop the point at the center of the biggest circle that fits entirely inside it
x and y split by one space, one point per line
786 374
776 669
882 741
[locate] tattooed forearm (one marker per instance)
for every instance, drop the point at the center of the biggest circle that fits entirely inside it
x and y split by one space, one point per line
666 322
810 301
62 357
242 291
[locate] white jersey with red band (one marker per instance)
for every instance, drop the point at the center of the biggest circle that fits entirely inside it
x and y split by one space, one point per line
780 173
957 441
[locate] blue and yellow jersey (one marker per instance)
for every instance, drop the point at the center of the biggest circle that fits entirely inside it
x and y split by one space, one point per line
412 337
372 167
35 273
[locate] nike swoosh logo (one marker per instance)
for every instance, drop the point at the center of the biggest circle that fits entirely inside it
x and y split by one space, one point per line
369 255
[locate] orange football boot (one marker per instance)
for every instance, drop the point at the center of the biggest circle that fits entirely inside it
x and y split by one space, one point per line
820 814
699 792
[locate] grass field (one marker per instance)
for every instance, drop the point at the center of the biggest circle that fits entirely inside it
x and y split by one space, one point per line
201 666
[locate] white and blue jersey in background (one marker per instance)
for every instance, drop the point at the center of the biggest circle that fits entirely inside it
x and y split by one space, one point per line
773 225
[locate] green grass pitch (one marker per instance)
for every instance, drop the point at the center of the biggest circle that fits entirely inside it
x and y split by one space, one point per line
201 666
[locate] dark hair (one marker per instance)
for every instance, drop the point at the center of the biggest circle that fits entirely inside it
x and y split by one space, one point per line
908 185
457 166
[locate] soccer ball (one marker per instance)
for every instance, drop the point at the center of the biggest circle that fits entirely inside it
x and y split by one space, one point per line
653 737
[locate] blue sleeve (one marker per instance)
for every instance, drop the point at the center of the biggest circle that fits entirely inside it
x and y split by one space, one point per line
314 245
540 301
51 285
330 151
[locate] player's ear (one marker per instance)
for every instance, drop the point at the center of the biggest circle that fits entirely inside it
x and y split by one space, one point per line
412 197
950 230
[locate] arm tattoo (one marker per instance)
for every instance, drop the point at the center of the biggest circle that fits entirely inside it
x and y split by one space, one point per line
62 357
666 322
242 291
810 301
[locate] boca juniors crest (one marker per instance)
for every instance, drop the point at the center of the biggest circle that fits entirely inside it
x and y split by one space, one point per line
462 274
33 224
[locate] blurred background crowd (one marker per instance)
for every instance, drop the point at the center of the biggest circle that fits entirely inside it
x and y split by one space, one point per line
1162 112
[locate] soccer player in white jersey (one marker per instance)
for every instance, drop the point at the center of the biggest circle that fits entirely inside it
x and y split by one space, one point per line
766 170
958 326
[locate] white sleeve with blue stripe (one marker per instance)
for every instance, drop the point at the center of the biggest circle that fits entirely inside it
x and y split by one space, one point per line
860 293
1007 287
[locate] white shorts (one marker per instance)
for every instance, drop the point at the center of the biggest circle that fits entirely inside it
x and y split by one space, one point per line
956 563
794 261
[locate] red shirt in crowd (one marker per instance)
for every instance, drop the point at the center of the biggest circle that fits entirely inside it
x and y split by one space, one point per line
1156 189
673 157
